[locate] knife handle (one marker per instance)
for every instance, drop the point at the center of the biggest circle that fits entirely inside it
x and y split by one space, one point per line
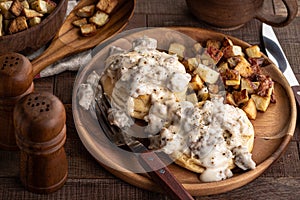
296 91
162 176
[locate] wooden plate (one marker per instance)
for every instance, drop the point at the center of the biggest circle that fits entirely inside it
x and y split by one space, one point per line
265 152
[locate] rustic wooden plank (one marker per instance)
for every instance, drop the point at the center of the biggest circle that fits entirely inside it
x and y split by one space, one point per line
137 21
287 165
44 84
63 86
158 7
261 189
79 189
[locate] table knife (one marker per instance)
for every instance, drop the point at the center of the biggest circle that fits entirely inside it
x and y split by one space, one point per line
275 53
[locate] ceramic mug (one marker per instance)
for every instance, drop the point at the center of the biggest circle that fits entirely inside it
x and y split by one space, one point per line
231 14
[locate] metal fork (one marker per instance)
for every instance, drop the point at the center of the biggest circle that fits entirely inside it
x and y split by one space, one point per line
149 160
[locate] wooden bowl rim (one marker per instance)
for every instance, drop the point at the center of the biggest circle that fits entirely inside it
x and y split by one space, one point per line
60 5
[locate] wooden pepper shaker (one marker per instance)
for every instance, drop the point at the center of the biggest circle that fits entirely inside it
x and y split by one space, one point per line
40 127
15 82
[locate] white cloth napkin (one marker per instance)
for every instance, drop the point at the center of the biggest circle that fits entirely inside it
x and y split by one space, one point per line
71 63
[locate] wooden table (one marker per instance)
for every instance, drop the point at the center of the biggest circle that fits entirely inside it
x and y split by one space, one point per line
88 180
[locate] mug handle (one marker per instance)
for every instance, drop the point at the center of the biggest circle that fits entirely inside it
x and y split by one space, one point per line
279 21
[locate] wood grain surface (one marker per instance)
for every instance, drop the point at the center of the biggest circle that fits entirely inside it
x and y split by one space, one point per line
88 180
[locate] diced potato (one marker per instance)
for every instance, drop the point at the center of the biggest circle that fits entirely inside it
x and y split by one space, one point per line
197 48
107 6
244 68
213 88
261 103
223 67
250 109
88 29
25 4
192 63
99 18
51 5
178 49
80 22
29 13
86 11
227 42
196 83
253 52
16 8
229 99
213 43
34 21
233 61
207 74
240 97
192 98
40 6
5 6
233 77
233 50
17 25
248 85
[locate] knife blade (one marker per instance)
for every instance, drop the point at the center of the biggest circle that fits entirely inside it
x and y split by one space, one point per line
276 54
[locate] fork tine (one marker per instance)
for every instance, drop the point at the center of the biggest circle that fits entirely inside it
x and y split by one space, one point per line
110 132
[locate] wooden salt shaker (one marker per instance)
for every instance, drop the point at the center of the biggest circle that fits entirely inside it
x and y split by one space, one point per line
40 128
15 82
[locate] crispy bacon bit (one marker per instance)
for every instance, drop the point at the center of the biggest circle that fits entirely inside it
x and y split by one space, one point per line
264 86
215 53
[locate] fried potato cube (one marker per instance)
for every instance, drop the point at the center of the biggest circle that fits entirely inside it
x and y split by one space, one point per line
196 83
5 6
232 77
107 6
17 25
261 103
244 68
25 4
51 5
213 43
240 97
80 22
253 51
192 98
197 48
207 74
178 49
88 29
229 99
86 11
223 67
99 18
192 64
250 109
142 106
34 21
231 51
40 6
16 8
29 13
248 85
227 42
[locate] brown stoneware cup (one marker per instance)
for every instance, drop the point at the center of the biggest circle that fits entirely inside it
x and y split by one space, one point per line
232 14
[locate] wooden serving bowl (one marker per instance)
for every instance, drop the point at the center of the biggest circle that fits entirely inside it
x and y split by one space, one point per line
37 36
